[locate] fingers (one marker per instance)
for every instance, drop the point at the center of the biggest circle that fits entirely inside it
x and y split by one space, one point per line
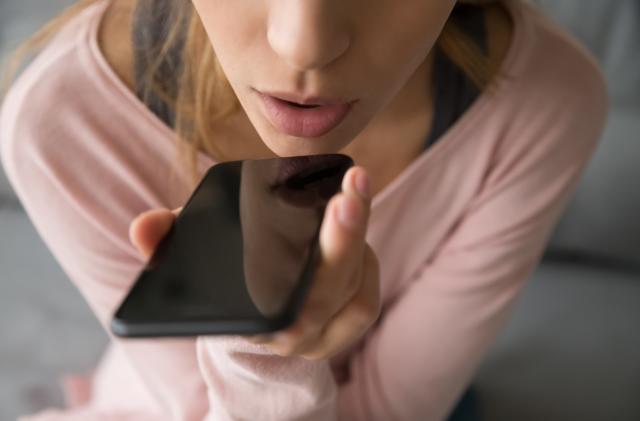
342 243
345 328
148 228
353 321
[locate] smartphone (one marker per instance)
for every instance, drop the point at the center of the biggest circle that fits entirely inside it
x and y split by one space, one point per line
241 255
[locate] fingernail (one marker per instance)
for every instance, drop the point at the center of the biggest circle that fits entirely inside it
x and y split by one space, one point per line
348 212
363 186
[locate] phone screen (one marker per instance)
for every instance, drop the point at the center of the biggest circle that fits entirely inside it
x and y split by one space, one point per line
241 255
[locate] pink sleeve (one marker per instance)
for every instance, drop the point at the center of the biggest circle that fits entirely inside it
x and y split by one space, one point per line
429 342
432 339
81 198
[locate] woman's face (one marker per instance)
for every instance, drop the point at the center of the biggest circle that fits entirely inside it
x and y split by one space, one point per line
361 52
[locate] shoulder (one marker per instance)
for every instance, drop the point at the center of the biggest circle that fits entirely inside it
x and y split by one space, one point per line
550 83
32 110
552 61
66 119
544 117
53 91
68 97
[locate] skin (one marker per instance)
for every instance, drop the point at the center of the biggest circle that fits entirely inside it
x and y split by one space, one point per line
371 149
330 48
344 299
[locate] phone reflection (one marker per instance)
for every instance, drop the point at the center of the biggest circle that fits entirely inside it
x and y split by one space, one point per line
281 206
240 252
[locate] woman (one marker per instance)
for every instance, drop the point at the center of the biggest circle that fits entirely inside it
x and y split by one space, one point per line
470 122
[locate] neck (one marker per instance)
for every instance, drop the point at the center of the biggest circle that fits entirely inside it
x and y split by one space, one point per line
396 136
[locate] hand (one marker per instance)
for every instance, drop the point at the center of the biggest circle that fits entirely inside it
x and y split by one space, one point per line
148 228
344 298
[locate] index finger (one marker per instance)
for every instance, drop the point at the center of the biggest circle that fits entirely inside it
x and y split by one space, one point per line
342 248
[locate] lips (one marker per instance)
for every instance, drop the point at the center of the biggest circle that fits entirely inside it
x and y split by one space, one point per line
292 169
304 120
310 180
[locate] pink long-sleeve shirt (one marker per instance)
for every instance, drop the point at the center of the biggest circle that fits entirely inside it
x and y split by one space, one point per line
457 234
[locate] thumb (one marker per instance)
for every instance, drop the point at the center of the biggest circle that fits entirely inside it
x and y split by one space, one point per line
148 228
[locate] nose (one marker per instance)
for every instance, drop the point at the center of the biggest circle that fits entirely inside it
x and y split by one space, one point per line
308 34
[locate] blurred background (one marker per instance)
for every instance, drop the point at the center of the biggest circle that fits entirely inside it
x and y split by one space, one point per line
572 349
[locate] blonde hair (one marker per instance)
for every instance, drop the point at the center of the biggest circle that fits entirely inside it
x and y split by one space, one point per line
204 97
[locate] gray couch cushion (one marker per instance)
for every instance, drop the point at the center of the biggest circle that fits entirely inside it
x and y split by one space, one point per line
571 350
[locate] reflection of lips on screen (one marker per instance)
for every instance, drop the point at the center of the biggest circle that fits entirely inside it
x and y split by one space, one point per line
310 181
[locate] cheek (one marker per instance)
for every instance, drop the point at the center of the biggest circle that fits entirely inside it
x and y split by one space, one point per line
417 25
232 27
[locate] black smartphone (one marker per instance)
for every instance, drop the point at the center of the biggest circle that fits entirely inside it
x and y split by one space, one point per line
241 255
